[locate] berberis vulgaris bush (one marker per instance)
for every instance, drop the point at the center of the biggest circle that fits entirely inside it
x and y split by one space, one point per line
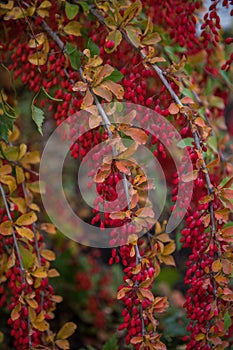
138 91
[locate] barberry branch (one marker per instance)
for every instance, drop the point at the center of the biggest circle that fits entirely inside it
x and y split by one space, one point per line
13 232
196 135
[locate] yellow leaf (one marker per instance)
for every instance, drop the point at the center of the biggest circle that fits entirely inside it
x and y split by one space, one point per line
56 298
116 37
169 248
45 4
49 228
154 60
39 273
200 336
66 331
103 92
15 312
25 232
38 40
36 187
5 169
216 265
7 6
15 13
33 303
168 260
30 11
121 293
41 326
151 39
38 58
132 12
80 86
62 344
6 228
11 260
134 34
9 181
26 219
103 73
73 28
48 254
94 120
20 177
31 158
53 273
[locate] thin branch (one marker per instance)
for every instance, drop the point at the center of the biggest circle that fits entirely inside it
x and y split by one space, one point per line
177 100
22 270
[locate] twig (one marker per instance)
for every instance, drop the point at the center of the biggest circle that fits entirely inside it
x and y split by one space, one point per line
177 100
22 270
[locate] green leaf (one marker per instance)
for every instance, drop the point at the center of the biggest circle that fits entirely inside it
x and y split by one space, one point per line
85 7
111 344
50 97
227 321
6 124
74 56
187 92
94 49
71 10
213 143
27 257
115 76
38 117
188 141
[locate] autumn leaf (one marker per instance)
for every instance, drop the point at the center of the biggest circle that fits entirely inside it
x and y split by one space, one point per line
66 331
115 88
173 108
137 135
6 228
73 28
26 219
25 232
103 73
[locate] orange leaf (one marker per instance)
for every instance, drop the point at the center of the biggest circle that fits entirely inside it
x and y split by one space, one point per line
169 248
173 108
103 92
145 212
103 73
190 176
137 135
200 122
216 265
121 293
88 100
6 228
187 100
146 294
115 88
